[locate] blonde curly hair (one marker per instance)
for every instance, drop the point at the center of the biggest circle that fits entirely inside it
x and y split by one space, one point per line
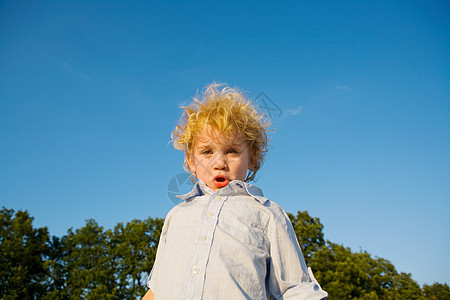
229 112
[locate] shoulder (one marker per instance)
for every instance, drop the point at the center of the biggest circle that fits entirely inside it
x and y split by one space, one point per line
268 213
186 210
277 213
277 218
173 211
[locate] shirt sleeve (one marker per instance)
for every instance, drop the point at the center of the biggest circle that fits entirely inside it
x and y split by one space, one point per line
152 278
288 276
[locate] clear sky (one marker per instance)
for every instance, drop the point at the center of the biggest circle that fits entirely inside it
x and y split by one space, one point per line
90 92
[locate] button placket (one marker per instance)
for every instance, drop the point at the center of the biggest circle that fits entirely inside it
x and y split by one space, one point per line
195 270
194 284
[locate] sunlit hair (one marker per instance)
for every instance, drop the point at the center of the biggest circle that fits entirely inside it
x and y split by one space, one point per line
229 112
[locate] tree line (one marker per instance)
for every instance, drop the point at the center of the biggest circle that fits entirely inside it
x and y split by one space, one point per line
94 263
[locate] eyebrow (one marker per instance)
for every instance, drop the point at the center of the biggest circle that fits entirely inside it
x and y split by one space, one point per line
234 144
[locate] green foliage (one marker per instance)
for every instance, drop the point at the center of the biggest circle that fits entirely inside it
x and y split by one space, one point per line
347 275
93 263
309 233
111 264
405 288
89 270
22 251
436 291
133 252
88 263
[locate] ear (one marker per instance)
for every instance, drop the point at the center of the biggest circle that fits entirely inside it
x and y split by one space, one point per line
189 162
251 164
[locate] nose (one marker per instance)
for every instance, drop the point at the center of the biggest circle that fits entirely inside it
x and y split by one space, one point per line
220 162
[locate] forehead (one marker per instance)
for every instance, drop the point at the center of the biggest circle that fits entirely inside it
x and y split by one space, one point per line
208 136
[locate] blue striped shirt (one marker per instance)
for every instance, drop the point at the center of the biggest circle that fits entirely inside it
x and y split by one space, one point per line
230 244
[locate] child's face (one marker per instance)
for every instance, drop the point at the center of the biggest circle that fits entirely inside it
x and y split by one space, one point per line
217 160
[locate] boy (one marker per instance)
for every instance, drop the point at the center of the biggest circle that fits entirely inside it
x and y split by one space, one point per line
226 240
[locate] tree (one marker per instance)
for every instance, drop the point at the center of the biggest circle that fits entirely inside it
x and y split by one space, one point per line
133 249
309 233
57 270
405 288
342 274
436 291
87 267
347 275
92 263
23 250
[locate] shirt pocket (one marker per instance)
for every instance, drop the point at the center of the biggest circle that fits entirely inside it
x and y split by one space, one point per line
244 229
251 236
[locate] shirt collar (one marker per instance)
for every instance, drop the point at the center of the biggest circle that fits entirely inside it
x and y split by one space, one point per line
235 187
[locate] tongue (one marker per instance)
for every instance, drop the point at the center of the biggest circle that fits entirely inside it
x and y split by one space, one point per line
222 183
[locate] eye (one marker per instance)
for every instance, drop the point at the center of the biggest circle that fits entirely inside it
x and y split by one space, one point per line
232 151
206 151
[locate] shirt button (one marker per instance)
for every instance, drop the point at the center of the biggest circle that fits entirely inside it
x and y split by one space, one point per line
195 270
210 214
202 238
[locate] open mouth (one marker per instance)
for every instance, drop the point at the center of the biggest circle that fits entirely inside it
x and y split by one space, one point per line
220 181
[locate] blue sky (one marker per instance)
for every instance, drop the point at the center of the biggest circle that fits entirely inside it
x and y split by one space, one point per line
90 92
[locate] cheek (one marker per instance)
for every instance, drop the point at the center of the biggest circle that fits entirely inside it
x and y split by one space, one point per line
243 167
201 163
